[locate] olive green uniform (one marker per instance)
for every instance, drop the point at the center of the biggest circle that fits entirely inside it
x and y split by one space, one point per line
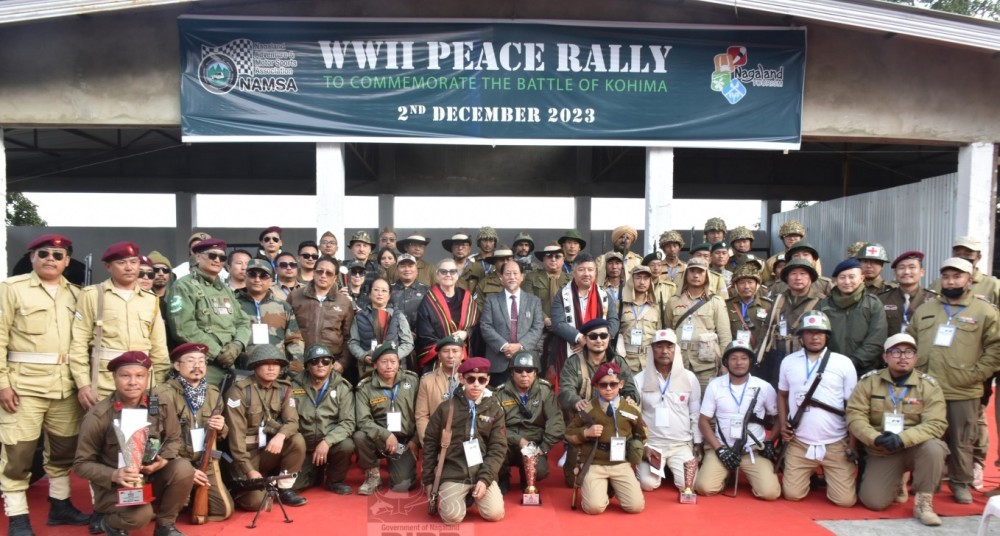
546 286
924 422
709 334
325 414
535 418
491 284
751 320
859 330
899 310
373 401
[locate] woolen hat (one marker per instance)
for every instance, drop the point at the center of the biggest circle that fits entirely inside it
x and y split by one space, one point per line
846 264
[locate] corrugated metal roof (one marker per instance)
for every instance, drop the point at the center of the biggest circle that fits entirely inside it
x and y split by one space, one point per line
26 10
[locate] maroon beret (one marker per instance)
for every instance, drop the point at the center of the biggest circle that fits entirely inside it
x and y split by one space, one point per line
120 250
606 369
144 261
211 243
134 357
912 254
187 348
52 241
475 364
271 229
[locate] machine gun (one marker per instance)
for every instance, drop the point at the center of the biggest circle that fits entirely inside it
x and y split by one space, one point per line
269 484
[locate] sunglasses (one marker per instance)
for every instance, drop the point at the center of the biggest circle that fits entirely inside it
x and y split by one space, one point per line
357 273
325 273
257 274
481 380
325 361
217 257
447 272
161 270
288 265
607 385
309 256
553 255
595 336
271 239
144 274
522 370
44 254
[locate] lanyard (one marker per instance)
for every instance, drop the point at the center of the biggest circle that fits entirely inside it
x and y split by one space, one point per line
472 422
745 307
947 309
194 412
524 398
267 411
663 390
322 392
810 370
638 315
256 305
612 292
611 404
739 403
895 399
392 396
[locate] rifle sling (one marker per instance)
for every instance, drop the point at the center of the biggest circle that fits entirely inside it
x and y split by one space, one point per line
690 312
445 441
807 400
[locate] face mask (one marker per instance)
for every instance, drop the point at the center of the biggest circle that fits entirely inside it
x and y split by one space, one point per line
952 293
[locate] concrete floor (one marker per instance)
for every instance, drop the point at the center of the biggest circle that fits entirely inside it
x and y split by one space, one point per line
952 526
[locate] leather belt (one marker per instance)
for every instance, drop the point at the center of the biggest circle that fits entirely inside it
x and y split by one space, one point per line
37 358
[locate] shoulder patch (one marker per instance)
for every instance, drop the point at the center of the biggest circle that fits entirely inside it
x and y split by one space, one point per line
867 374
298 392
232 403
507 403
176 303
291 403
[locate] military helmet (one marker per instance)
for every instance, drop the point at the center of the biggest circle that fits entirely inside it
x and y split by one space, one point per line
791 227
740 233
735 346
525 237
872 252
317 351
487 232
671 236
802 246
266 353
715 224
747 270
524 359
814 320
752 259
799 263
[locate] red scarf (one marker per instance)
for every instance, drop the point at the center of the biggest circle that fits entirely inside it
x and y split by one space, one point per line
594 305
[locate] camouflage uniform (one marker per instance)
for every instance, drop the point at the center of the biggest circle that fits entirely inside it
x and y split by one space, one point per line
282 328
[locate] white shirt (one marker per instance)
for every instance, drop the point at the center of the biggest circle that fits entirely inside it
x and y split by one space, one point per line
682 409
818 426
729 403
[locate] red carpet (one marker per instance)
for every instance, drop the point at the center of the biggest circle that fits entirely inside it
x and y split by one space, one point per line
352 515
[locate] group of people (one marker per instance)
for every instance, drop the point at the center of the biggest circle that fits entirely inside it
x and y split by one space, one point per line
639 369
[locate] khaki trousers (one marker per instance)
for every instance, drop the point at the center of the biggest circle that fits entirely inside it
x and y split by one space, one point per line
882 473
839 473
594 491
712 476
675 455
171 487
451 502
961 436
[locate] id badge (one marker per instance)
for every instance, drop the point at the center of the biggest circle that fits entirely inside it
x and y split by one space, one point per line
783 328
662 417
893 422
259 333
945 335
617 449
473 456
261 437
743 337
635 337
197 439
736 429
687 332
394 421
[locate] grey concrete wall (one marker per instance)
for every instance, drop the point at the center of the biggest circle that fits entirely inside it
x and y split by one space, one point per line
122 68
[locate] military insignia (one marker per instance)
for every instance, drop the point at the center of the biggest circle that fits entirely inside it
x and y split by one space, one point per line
78 316
379 400
507 403
232 403
891 307
682 398
337 308
333 395
628 415
761 313
446 396
535 402
966 320
298 392
406 385
176 303
291 403
486 418
419 294
393 346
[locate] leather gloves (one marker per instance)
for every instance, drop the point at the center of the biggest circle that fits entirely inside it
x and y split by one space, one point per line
227 356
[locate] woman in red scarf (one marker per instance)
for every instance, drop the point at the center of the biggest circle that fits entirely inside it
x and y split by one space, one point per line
446 310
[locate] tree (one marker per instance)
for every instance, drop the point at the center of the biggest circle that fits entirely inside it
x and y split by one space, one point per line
22 212
983 9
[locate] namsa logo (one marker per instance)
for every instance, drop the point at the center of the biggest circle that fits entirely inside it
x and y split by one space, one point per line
247 66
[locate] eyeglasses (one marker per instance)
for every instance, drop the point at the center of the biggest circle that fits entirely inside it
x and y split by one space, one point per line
328 243
595 336
309 256
288 265
161 270
44 254
894 353
325 361
189 361
481 380
146 274
442 271
607 385
257 274
325 273
523 370
271 239
221 257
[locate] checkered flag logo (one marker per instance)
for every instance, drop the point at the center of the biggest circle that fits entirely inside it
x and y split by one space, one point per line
239 50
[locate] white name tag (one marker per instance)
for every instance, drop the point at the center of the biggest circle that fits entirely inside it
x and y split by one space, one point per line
662 416
736 429
617 449
198 439
893 422
635 337
783 328
473 456
945 335
261 437
743 337
394 421
687 332
259 333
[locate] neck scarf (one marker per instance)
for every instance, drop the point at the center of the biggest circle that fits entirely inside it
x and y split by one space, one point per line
847 300
195 396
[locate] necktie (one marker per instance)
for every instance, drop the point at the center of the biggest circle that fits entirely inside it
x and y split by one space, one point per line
611 410
513 319
906 310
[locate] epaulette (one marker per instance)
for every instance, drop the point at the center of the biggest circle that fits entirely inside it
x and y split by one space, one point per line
410 373
632 403
426 374
766 299
867 374
150 292
928 378
364 381
543 381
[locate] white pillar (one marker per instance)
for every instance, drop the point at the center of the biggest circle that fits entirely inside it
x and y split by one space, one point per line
330 190
186 215
659 194
3 194
976 206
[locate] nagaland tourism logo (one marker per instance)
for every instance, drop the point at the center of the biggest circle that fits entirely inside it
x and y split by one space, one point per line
247 66
732 75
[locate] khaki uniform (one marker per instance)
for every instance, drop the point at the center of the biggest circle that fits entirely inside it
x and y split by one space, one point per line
97 460
716 285
130 322
206 312
282 326
670 272
457 477
252 409
536 419
898 313
490 284
984 287
546 287
640 317
35 331
632 260
473 273
924 422
373 401
426 274
627 424
960 369
435 387
325 414
710 333
879 286
823 286
171 398
754 321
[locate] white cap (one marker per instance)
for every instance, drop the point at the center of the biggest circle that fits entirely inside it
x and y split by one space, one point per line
899 338
957 263
665 335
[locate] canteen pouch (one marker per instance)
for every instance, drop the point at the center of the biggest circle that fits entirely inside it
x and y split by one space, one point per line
709 350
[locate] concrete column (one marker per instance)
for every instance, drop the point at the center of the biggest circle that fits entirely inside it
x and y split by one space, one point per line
3 193
767 208
975 206
186 207
581 222
659 194
386 211
330 190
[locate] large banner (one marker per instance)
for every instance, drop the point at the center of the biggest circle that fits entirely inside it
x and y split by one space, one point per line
490 82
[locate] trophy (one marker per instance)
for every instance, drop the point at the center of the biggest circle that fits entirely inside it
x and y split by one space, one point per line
529 457
135 451
688 496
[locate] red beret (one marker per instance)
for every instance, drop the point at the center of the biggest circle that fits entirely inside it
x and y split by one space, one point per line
120 250
134 357
144 261
475 364
51 240
187 348
606 369
271 229
912 254
211 243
